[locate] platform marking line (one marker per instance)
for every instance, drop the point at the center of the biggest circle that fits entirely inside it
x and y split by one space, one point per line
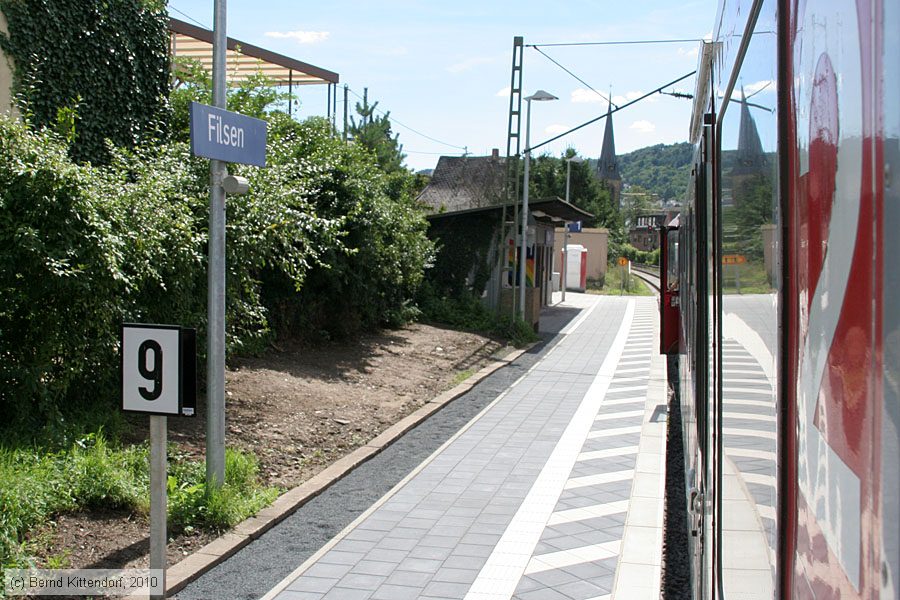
632 388
575 556
602 433
608 453
599 478
739 390
770 435
748 416
330 544
571 515
750 453
503 569
621 401
620 415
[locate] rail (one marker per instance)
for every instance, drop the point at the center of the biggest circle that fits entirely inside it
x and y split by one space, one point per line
649 273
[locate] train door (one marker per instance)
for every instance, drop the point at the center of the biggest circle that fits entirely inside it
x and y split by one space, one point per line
668 293
745 278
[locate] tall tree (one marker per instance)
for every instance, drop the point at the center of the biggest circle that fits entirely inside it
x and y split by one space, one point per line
548 179
374 132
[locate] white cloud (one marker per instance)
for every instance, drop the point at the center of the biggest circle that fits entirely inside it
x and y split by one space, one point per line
302 37
629 96
581 95
469 63
556 129
504 93
767 86
643 126
689 53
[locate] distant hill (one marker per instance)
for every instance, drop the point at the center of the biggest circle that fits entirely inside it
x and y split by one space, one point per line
663 169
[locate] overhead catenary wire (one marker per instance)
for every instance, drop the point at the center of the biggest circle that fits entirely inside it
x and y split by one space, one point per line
617 43
189 17
579 79
615 110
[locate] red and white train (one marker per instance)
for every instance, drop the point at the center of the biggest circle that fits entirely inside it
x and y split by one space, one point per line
781 299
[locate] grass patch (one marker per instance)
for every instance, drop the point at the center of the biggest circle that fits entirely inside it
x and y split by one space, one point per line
461 376
37 484
616 283
748 278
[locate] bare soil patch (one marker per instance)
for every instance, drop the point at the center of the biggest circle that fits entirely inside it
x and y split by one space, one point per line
298 408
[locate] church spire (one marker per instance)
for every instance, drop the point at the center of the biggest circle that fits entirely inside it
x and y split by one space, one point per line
608 165
749 158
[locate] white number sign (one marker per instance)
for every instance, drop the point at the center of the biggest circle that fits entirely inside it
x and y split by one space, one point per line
151 378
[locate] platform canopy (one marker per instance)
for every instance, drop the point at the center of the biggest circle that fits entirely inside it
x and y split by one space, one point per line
244 60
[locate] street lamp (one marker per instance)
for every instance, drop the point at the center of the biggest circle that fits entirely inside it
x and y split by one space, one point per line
540 96
565 256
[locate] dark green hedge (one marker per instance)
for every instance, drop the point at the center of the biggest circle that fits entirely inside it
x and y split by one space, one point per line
102 67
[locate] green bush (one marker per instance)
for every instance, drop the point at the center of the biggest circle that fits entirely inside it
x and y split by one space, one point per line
240 497
640 257
96 71
468 313
325 244
371 276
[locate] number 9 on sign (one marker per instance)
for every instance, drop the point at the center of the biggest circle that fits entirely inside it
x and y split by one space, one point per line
158 369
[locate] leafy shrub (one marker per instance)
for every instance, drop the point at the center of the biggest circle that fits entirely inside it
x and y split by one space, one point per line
240 497
467 312
640 257
368 279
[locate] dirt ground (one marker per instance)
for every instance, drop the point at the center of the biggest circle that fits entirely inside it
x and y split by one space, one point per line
298 408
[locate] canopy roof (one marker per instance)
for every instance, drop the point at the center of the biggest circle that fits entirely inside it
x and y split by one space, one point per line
244 60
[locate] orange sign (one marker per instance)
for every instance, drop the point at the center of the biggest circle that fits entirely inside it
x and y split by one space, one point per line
733 259
623 261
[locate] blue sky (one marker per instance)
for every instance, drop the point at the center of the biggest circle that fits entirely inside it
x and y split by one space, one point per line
442 68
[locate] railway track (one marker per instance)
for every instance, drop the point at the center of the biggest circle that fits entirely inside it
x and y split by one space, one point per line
650 274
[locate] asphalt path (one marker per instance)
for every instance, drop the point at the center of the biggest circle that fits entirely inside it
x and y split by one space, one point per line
263 563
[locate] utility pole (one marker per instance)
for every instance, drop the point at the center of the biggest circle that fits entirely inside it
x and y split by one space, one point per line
215 361
346 89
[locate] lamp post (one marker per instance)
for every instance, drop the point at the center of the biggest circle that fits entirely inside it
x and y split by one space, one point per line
565 257
540 96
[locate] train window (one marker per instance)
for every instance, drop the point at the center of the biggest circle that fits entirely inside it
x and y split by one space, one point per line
747 215
672 253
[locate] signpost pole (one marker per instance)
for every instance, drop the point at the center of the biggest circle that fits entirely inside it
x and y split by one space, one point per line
215 374
158 482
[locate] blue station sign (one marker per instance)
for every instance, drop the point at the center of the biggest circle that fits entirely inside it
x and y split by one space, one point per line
228 136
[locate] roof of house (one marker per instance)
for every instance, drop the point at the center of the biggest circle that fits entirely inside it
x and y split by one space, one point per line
465 183
475 184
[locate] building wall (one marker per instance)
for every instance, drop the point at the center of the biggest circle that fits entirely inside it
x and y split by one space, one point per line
596 240
7 106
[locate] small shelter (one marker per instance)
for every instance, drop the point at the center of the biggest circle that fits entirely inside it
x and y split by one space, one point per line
244 60
478 241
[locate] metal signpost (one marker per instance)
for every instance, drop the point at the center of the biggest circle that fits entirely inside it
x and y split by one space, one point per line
221 136
159 378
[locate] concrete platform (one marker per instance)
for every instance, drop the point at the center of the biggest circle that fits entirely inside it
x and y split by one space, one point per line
555 490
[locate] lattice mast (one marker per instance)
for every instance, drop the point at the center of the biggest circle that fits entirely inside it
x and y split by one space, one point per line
512 185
